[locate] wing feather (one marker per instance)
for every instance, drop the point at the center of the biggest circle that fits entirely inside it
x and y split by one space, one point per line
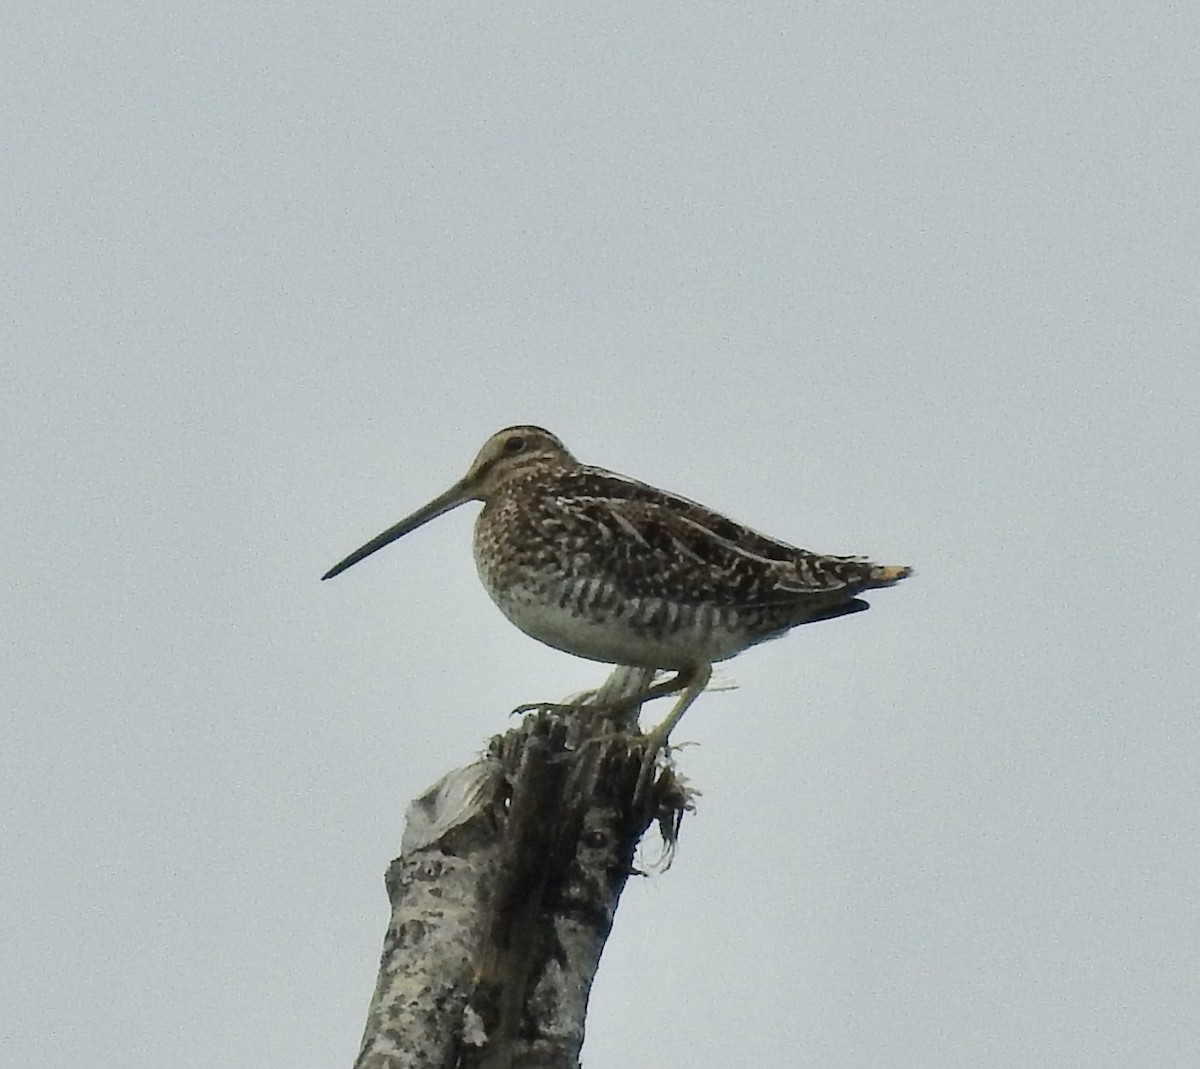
658 544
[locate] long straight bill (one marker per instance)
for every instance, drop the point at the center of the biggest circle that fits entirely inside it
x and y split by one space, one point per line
457 495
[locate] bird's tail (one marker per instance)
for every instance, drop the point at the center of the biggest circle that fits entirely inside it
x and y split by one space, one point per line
887 574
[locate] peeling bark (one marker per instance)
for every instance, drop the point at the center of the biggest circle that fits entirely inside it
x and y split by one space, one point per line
505 892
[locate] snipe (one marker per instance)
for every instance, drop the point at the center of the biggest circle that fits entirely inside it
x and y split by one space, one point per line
608 568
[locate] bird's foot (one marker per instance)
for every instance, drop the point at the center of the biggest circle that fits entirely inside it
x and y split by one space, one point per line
691 684
655 744
618 709
544 707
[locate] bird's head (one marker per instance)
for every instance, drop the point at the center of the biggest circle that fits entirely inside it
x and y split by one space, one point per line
506 455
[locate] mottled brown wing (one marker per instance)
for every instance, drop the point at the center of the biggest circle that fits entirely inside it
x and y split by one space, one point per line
654 544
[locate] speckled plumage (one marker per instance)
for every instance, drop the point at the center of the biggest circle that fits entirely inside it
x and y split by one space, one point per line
611 569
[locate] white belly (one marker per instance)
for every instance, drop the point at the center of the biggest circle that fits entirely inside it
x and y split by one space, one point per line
683 638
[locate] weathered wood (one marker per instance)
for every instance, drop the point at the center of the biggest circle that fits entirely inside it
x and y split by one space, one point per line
505 893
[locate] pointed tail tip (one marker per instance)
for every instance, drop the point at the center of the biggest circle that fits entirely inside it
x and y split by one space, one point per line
887 574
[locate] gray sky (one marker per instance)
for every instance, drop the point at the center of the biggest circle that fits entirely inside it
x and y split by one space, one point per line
909 280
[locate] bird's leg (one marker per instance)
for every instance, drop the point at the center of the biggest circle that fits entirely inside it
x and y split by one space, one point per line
618 706
629 703
692 682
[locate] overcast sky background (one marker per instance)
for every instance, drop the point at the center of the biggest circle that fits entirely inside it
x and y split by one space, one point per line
916 281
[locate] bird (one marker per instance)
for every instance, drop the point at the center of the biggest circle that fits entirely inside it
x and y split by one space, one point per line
611 569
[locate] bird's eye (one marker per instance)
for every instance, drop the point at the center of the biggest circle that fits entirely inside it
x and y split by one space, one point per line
514 444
